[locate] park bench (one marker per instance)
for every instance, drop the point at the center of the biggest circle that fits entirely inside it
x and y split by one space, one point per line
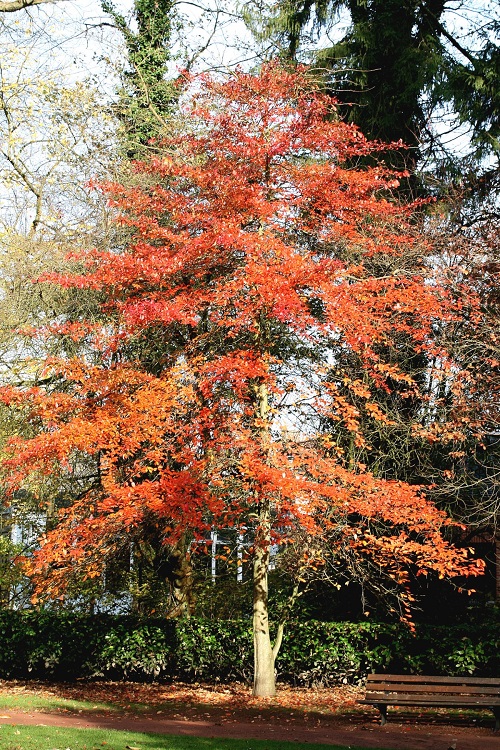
384 690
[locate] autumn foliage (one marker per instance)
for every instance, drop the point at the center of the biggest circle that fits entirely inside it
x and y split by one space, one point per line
259 249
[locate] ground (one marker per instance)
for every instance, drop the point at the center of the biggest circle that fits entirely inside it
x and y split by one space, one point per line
326 715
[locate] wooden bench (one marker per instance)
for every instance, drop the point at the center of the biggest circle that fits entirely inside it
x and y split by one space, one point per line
384 690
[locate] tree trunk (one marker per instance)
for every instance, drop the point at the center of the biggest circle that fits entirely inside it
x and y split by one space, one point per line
264 684
497 567
182 582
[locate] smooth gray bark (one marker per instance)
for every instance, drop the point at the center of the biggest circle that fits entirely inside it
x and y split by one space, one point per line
264 679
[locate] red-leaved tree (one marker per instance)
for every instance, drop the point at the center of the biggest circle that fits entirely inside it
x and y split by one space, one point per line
202 398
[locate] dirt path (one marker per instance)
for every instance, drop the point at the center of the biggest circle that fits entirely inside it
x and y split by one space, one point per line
394 736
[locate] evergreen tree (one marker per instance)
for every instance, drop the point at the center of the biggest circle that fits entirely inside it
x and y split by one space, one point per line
396 62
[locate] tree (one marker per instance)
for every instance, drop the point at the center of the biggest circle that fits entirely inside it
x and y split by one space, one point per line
468 243
147 99
11 6
424 72
398 63
253 233
147 95
55 133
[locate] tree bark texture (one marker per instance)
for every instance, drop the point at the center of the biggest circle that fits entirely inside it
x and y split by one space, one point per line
264 679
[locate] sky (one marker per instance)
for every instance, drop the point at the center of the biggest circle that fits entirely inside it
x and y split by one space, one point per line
75 38
79 36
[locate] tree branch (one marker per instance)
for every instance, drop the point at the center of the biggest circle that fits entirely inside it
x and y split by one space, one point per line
451 39
12 5
281 625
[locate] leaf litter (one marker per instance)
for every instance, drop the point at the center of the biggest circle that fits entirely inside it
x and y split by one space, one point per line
191 702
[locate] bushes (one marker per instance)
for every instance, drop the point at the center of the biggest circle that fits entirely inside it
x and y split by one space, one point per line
65 646
214 650
48 645
136 651
329 652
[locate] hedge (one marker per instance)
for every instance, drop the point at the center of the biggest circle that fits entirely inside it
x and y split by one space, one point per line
65 646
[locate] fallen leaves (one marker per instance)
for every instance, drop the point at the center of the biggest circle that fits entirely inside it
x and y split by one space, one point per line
183 702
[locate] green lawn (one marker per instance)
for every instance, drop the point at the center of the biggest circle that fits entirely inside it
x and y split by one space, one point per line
54 738
37 702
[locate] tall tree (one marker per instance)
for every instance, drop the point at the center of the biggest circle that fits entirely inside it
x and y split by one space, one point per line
147 100
55 133
414 71
147 94
253 236
398 61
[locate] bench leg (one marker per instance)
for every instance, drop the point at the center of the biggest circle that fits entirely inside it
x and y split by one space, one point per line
383 713
496 714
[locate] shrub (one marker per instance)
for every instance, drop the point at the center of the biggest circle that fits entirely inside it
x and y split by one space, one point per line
137 650
65 646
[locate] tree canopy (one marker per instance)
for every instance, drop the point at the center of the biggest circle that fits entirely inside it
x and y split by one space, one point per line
251 263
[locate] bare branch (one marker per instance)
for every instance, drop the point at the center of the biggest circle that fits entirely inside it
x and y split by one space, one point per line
12 5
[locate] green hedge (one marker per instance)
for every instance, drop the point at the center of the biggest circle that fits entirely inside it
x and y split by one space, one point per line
66 646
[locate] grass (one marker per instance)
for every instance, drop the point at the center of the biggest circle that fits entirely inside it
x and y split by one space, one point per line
38 702
53 738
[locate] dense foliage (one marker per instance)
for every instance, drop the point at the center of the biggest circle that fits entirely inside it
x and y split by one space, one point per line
264 260
48 645
396 63
146 94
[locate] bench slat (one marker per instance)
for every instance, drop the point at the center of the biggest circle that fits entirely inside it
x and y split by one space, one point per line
380 687
425 679
462 700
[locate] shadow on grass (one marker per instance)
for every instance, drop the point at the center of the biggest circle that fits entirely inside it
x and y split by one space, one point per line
52 738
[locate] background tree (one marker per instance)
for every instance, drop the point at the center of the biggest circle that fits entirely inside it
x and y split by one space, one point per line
147 94
55 134
159 577
399 64
411 71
